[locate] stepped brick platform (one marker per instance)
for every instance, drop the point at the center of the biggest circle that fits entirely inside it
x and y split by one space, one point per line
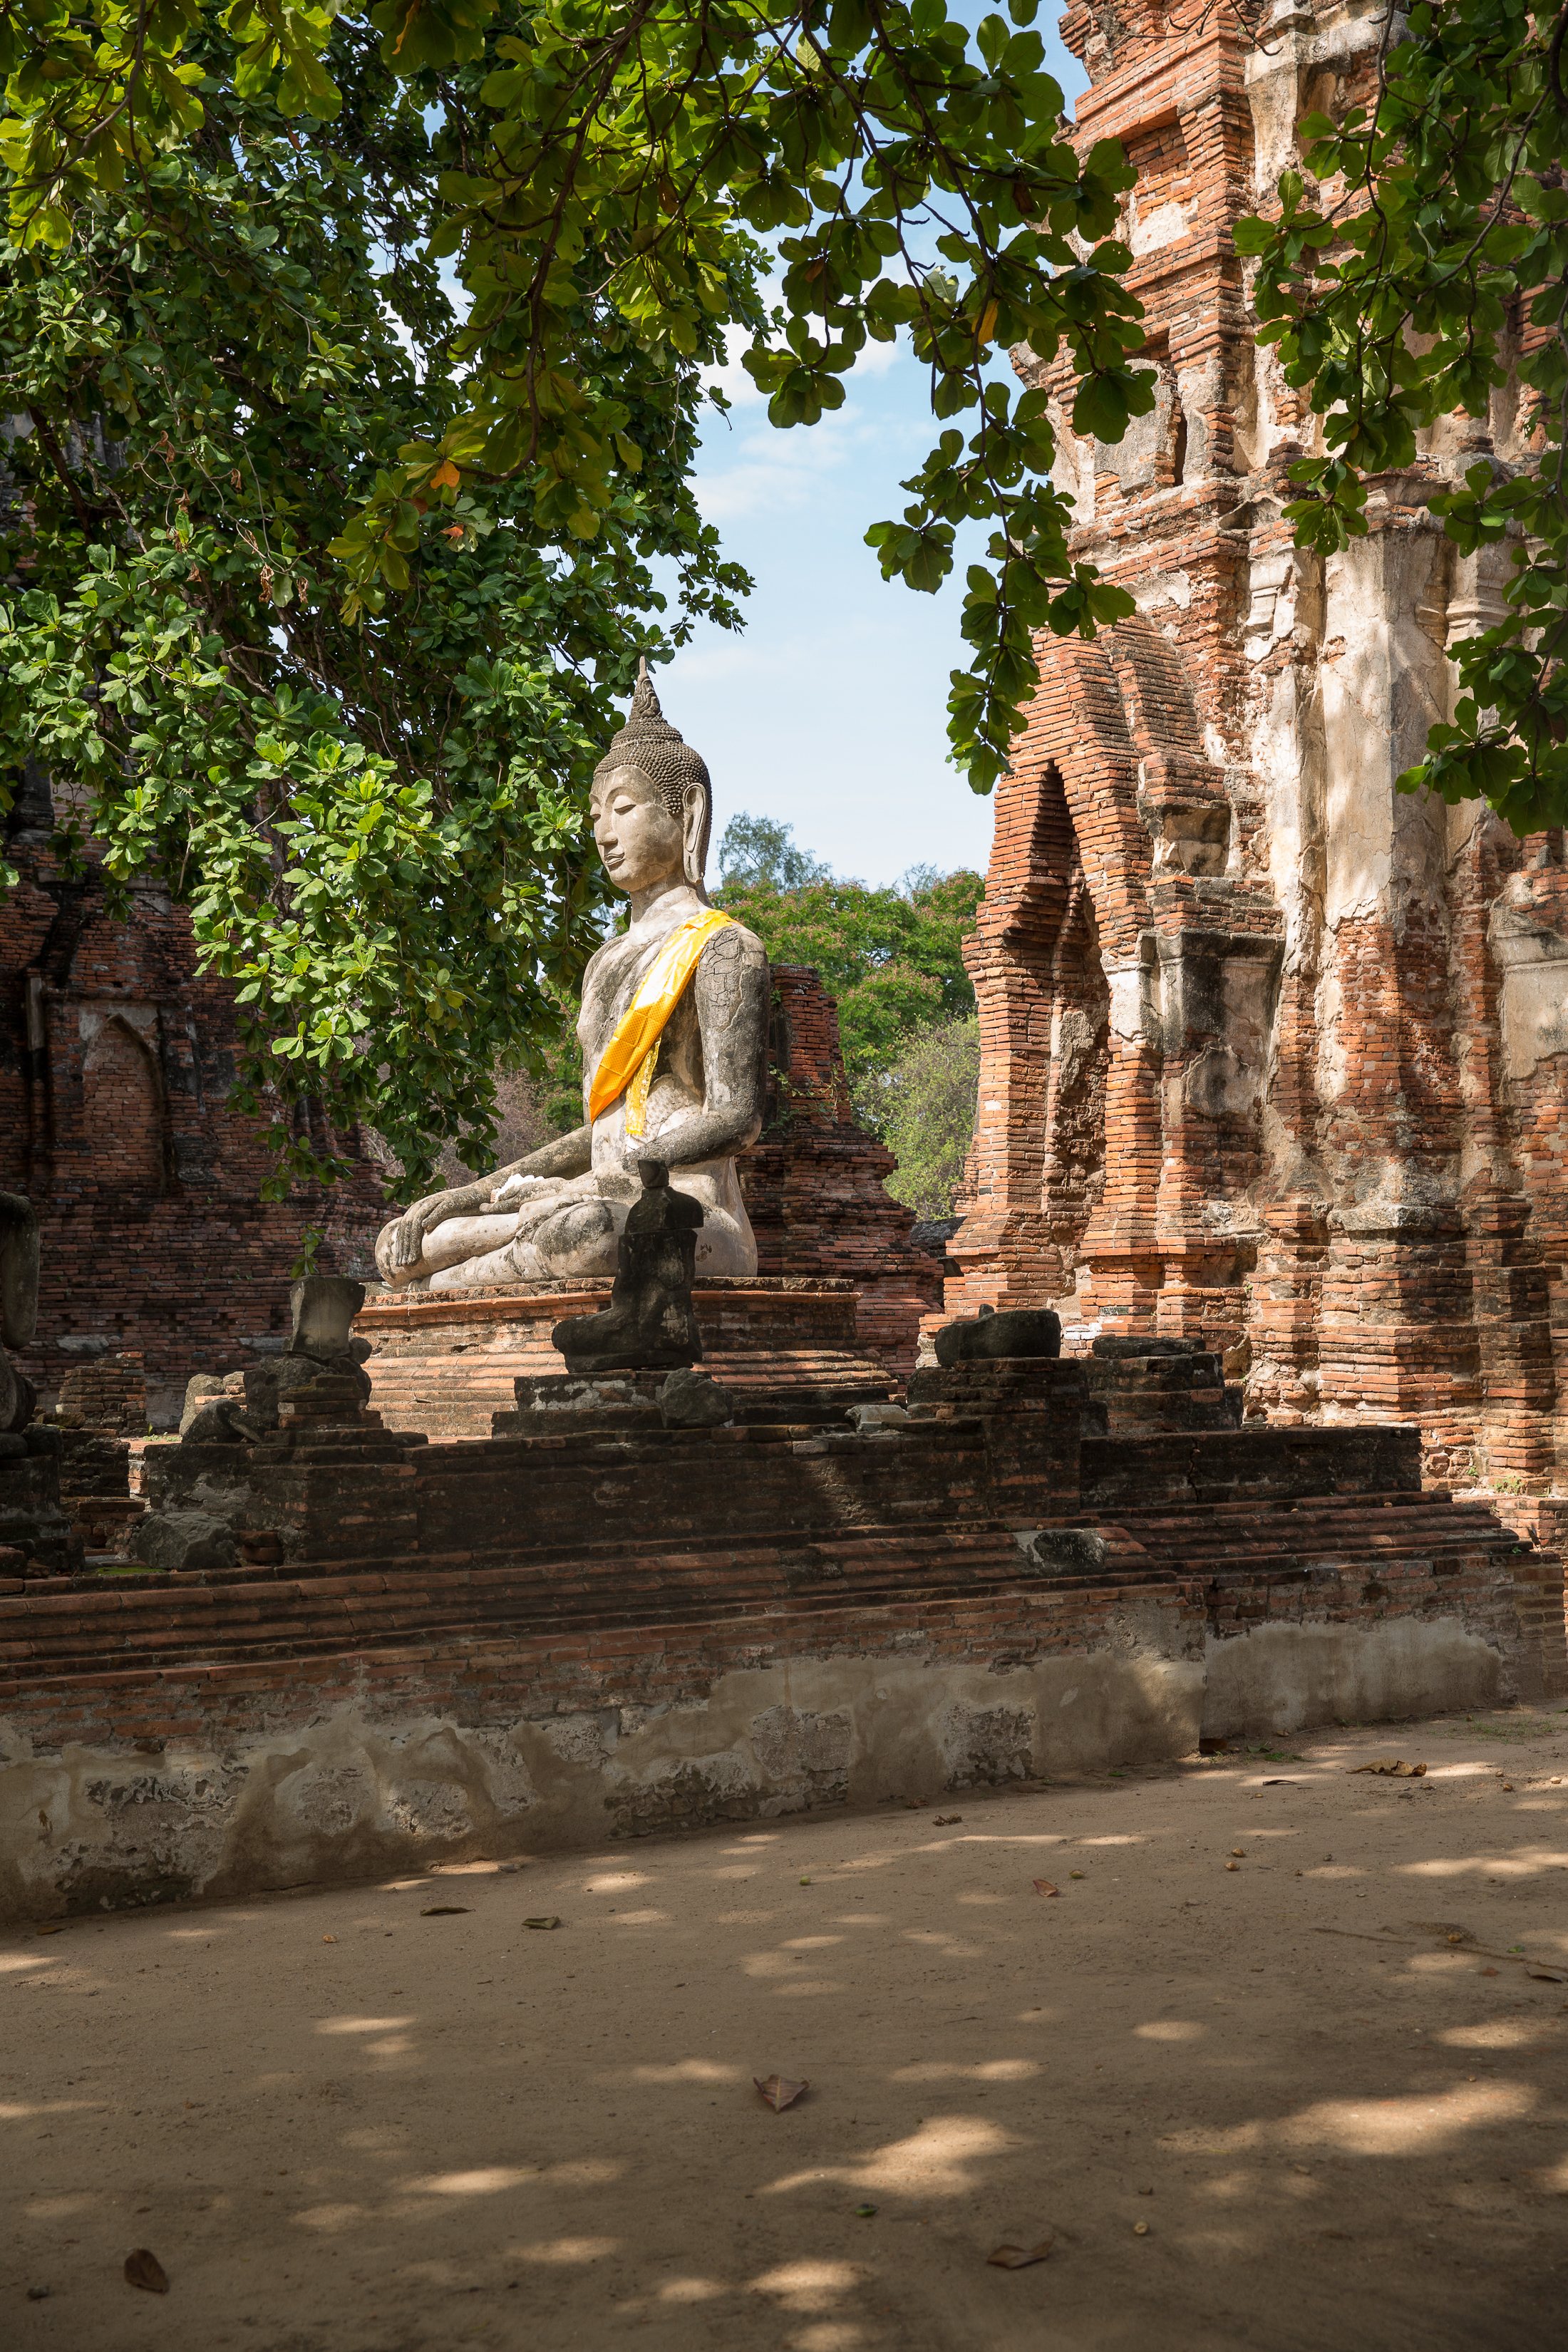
508 1645
444 1362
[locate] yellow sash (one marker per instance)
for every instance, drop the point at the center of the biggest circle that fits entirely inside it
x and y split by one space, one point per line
626 1065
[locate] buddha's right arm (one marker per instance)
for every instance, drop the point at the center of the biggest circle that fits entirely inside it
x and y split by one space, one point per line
563 1155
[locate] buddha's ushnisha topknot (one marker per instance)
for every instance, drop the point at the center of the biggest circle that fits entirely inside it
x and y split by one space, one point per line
660 751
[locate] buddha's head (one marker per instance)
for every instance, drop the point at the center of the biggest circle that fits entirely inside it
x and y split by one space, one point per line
651 802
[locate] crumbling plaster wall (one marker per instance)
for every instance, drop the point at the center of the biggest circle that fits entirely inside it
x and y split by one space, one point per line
364 1787
1350 1165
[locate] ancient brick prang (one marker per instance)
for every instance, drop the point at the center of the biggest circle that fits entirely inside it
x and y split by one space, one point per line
116 1066
1271 1053
815 1182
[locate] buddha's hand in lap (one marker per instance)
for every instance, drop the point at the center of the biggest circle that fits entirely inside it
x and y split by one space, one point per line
401 1243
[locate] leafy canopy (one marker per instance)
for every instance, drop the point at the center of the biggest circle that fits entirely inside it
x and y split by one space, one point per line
373 804
616 155
1403 299
759 849
893 959
928 1101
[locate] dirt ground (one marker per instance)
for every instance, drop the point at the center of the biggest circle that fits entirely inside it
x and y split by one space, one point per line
1318 2100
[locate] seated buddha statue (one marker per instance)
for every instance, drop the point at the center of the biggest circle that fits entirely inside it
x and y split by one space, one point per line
673 1028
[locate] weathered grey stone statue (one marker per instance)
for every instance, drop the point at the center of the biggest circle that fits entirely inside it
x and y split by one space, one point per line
673 1027
649 1321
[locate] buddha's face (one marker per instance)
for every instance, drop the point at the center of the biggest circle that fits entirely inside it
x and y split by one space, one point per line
638 840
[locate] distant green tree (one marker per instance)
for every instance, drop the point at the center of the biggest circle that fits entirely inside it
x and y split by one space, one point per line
757 849
928 1115
891 958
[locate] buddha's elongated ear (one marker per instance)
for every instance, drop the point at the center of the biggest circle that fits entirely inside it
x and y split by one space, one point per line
697 816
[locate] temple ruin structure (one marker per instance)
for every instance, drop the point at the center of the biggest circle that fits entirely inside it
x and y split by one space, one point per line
160 1257
1271 1053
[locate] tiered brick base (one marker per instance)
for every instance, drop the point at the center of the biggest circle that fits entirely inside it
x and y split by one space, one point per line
511 1646
446 1362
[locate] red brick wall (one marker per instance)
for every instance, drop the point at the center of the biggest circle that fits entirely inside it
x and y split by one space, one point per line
1251 1065
116 1065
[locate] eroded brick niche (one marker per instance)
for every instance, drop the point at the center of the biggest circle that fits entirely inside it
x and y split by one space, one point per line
1294 1075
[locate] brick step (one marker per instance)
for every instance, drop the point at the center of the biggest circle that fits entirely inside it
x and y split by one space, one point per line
308 1617
466 1596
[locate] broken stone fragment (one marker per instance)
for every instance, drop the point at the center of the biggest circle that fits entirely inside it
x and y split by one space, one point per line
869 1418
201 1390
323 1307
220 1421
1062 1551
184 1543
1018 1331
690 1399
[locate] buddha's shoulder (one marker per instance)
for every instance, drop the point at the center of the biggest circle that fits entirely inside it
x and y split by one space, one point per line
734 944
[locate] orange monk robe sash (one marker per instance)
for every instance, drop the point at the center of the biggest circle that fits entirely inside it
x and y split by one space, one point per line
626 1065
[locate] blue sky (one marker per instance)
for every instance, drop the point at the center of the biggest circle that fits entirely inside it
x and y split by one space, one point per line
829 712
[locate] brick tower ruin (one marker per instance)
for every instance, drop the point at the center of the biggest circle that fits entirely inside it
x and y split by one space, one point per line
159 1257
1271 1051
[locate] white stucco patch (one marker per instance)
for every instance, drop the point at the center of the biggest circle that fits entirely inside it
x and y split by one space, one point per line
1281 1677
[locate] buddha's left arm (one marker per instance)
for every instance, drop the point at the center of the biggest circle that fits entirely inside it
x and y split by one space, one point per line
730 988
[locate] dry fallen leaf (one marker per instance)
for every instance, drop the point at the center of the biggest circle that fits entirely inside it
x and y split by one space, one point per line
946 1821
432 1911
1547 1976
1489 1972
1074 1873
329 1939
1508 1787
779 2091
552 1920
1043 1886
1018 2258
53 1930
143 2269
1392 1768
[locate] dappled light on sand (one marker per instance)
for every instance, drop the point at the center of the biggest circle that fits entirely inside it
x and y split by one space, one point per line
1331 2079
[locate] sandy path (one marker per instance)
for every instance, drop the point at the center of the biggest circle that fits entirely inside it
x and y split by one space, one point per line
453 2130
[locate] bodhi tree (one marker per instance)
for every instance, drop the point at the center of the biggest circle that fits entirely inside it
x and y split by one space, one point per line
1420 269
368 801
363 358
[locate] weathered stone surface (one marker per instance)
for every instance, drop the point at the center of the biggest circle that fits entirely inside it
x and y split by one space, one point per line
650 1320
220 1421
183 1542
324 1307
1022 1332
690 1399
204 1389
